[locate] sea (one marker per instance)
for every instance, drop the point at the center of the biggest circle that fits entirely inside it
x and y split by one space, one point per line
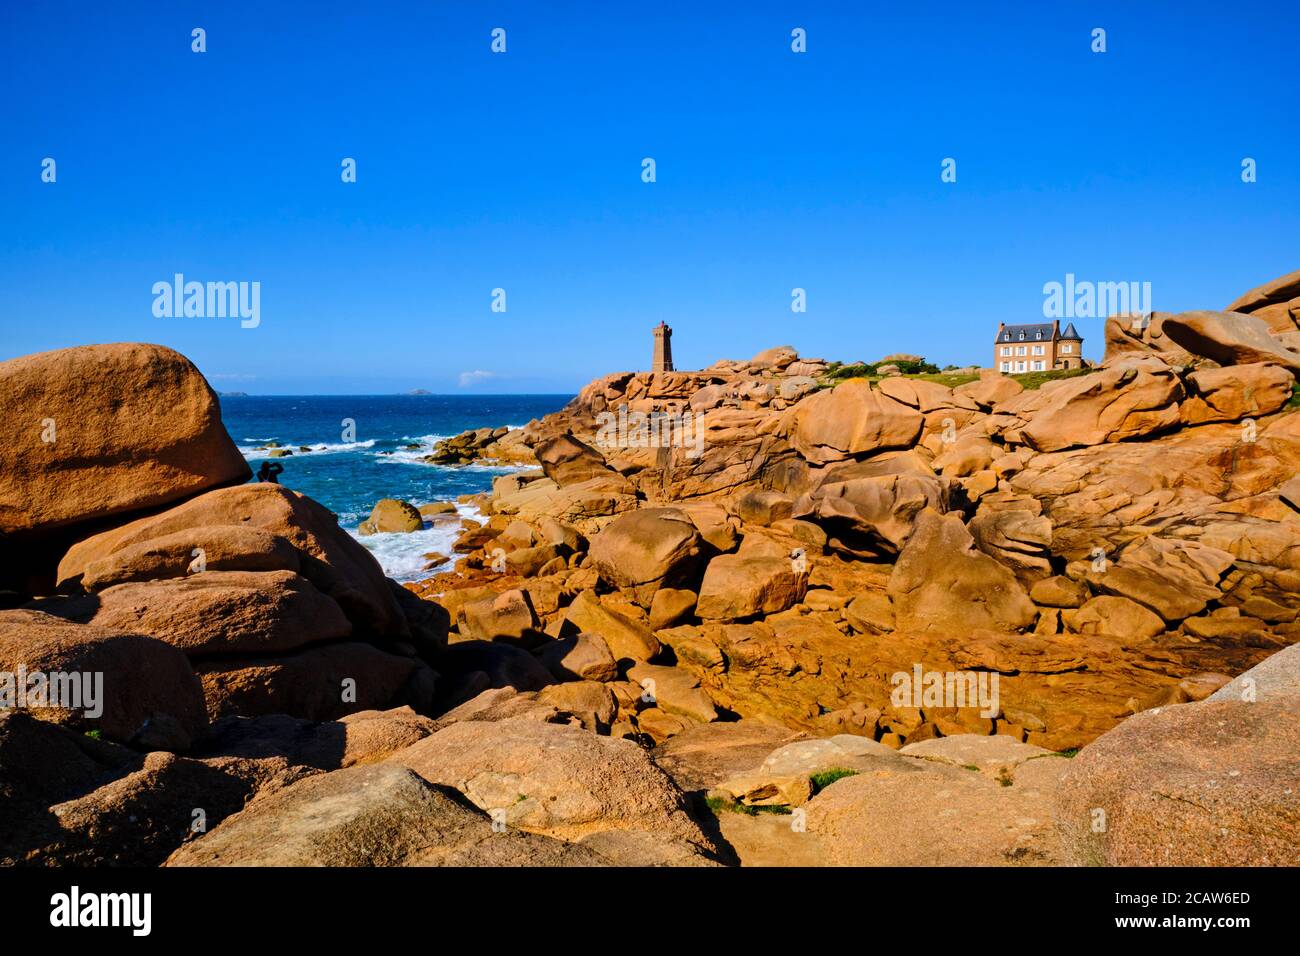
379 456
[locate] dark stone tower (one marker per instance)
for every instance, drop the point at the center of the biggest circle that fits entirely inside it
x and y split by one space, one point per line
663 357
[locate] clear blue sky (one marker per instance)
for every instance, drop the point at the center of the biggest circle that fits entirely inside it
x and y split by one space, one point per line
522 171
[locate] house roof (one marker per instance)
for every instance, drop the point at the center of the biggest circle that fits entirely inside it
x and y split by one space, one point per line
1041 332
1069 333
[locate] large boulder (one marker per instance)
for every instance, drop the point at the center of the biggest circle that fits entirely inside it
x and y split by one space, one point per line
1019 539
1112 616
1235 392
1175 579
568 461
674 691
331 559
316 683
381 815
142 680
1109 405
645 550
222 548
367 736
556 780
391 515
578 657
742 585
628 640
874 515
216 612
507 616
102 430
941 582
582 505
1276 303
1230 338
850 420
1199 784
991 389
1143 336
957 816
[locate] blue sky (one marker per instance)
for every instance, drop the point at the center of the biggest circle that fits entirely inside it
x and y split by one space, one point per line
522 171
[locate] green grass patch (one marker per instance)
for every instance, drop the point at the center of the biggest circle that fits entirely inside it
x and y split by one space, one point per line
718 805
820 781
1295 396
1033 380
95 734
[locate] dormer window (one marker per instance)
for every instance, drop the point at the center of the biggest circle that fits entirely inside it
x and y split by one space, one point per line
1022 336
1038 335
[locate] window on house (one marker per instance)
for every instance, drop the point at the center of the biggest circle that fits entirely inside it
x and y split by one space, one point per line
1040 350
1066 348
1020 366
1006 350
1039 366
1005 367
1020 350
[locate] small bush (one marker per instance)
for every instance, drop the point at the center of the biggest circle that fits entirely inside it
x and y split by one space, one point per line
840 372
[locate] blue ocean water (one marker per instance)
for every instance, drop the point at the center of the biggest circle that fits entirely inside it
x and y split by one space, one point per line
349 476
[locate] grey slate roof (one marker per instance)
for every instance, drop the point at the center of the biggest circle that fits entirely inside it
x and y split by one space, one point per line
1069 333
1032 333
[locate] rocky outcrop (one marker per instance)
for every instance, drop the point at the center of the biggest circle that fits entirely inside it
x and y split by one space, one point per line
1117 403
743 597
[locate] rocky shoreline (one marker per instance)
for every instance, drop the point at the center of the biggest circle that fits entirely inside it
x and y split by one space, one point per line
677 638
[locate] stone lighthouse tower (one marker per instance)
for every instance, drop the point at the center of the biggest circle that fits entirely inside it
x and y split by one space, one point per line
663 358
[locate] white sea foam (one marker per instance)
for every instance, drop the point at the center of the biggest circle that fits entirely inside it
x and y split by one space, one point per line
412 456
402 554
319 448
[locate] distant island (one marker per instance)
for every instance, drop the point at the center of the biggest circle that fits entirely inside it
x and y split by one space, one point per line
232 394
419 391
